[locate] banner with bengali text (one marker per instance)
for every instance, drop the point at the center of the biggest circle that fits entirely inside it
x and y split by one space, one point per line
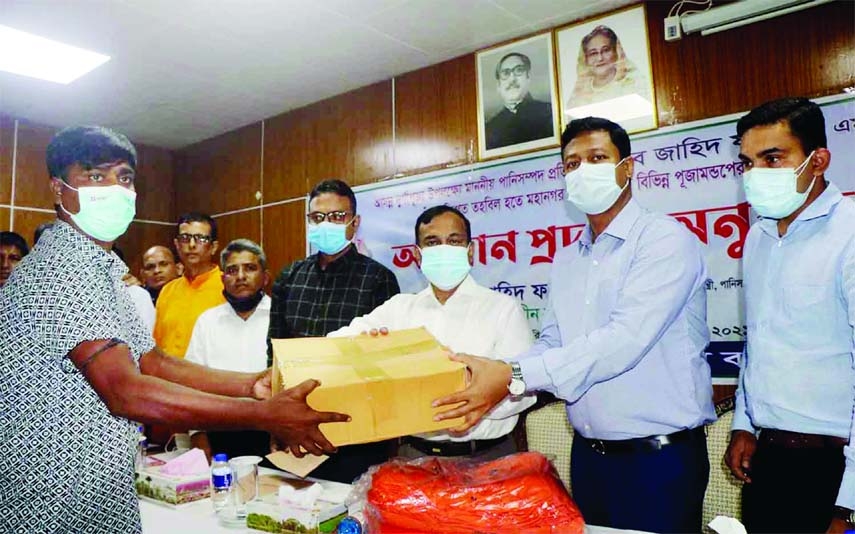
520 218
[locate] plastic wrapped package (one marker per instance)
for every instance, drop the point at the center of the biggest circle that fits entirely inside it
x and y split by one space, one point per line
519 493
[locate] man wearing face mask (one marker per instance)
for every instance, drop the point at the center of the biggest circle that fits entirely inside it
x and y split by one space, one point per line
233 337
77 365
794 423
462 315
322 293
522 118
623 344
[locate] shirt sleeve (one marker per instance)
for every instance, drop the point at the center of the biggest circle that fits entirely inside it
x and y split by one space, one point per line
664 273
84 307
145 309
846 495
515 337
741 421
278 327
196 349
381 316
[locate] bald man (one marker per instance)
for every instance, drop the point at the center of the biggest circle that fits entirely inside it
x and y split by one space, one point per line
158 268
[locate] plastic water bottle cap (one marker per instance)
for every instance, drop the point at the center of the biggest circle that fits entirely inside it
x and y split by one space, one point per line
221 457
349 525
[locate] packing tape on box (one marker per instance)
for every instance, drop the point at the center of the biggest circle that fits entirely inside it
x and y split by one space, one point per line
363 363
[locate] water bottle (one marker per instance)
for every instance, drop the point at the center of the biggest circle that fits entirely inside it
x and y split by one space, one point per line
221 481
140 447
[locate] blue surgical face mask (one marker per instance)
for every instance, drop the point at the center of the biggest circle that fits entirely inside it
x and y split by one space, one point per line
445 266
774 193
329 238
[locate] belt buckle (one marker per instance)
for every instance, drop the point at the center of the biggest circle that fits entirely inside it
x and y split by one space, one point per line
598 446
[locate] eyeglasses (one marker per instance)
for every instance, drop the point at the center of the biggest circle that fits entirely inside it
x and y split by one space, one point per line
200 238
336 217
519 70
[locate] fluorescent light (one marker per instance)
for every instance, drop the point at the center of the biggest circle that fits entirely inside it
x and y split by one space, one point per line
30 55
622 108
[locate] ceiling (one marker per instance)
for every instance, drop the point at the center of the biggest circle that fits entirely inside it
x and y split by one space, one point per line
186 70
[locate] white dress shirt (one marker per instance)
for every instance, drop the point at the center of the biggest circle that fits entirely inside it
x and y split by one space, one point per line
222 340
474 320
144 306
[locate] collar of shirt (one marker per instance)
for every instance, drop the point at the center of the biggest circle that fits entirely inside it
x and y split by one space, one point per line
467 287
65 232
619 227
514 107
340 262
200 280
820 207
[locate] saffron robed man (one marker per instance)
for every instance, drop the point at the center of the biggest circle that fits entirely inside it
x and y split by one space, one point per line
77 365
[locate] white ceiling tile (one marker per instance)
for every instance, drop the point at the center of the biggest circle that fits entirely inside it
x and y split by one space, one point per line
441 25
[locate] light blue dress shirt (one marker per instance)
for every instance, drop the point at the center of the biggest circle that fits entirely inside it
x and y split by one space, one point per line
624 334
798 372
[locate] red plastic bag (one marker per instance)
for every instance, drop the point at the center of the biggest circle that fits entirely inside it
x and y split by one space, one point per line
519 493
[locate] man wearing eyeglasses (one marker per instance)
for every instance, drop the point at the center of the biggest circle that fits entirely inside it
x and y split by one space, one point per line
183 300
327 290
522 118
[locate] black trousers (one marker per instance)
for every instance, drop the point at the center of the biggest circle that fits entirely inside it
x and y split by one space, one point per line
792 490
351 461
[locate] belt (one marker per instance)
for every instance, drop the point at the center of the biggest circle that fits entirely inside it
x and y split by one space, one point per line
646 444
797 440
451 448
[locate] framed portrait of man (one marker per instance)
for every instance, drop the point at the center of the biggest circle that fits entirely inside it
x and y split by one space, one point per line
604 70
517 100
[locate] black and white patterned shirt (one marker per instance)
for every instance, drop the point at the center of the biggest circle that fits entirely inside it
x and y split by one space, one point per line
66 463
311 302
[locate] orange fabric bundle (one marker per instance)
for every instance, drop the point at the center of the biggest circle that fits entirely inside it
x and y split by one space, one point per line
519 493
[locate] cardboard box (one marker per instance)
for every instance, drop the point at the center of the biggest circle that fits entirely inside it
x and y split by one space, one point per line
153 485
385 383
267 514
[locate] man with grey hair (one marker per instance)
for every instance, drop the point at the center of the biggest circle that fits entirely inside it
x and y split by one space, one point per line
233 337
521 118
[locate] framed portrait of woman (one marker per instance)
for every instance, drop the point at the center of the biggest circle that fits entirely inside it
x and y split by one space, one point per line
517 101
604 70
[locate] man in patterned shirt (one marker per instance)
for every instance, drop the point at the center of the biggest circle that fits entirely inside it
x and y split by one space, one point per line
327 290
76 362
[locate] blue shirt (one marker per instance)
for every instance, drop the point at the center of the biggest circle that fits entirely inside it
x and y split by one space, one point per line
624 334
798 372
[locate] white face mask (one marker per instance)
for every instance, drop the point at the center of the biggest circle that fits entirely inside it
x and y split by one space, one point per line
774 193
592 187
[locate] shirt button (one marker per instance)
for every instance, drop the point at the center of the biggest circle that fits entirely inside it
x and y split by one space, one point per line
587 301
596 263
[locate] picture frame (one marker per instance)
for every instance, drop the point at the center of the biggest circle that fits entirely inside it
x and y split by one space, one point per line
604 70
517 97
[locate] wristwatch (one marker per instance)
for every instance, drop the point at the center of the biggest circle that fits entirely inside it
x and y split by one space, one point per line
517 386
845 514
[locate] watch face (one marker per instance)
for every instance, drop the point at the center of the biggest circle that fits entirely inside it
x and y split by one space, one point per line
516 387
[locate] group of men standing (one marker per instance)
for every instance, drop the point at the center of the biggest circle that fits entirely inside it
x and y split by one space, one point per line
622 341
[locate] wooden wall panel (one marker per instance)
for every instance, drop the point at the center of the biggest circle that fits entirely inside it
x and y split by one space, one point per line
246 225
809 53
220 174
141 236
7 133
154 184
284 234
287 139
4 221
435 116
32 183
26 222
348 136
